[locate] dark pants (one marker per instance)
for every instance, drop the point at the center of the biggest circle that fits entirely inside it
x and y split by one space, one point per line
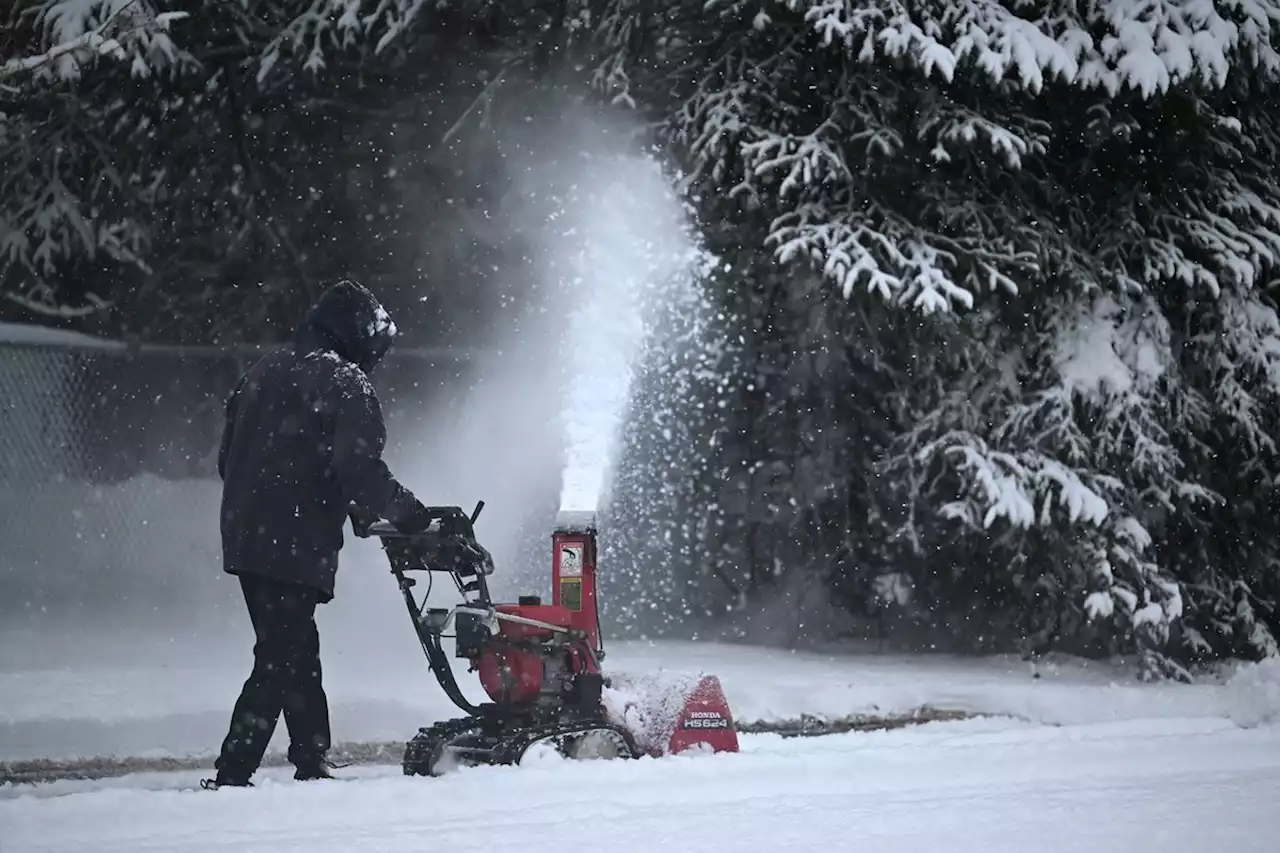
286 678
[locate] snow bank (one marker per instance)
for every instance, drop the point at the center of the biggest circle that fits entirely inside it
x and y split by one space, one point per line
163 700
770 685
1253 693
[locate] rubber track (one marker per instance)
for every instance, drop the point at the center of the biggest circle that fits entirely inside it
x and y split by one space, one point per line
507 749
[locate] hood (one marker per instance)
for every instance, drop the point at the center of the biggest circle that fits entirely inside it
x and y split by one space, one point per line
349 320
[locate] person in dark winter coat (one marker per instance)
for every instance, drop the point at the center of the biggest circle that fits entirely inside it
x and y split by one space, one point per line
303 440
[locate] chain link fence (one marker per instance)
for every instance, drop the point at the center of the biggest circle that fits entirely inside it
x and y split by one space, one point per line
108 485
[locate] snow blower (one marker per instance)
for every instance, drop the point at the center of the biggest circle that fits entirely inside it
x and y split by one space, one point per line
538 663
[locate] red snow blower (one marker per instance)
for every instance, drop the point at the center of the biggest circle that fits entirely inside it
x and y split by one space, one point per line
538 663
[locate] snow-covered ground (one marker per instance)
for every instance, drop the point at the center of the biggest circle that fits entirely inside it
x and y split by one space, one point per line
986 786
162 700
1082 758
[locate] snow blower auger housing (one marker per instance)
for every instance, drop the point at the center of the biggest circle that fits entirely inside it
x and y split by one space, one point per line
538 663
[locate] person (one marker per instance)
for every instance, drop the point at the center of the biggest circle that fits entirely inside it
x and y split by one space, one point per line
302 444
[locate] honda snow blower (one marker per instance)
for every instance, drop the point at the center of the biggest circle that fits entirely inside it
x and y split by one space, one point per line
538 663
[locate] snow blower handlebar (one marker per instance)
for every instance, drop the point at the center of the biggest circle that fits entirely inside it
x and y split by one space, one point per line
447 545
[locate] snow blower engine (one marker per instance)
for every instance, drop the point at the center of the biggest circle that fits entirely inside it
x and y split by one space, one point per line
538 663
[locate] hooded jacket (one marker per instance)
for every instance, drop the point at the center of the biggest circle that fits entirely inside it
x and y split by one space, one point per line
304 438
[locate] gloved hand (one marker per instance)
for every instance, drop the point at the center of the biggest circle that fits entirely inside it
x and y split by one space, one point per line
414 519
407 513
361 519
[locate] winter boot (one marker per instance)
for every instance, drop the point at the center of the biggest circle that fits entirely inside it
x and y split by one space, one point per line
224 782
310 771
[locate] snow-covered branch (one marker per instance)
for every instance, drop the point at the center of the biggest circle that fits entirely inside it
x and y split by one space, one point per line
325 26
79 31
1145 46
42 301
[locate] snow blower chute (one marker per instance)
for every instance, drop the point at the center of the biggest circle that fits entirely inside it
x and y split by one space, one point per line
538 663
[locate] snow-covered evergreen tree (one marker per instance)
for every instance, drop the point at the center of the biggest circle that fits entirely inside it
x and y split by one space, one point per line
193 140
68 197
1075 199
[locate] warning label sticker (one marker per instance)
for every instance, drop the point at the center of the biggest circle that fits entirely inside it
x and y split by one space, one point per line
571 561
571 594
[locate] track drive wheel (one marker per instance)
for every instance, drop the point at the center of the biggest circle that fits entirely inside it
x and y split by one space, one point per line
595 745
446 746
422 754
